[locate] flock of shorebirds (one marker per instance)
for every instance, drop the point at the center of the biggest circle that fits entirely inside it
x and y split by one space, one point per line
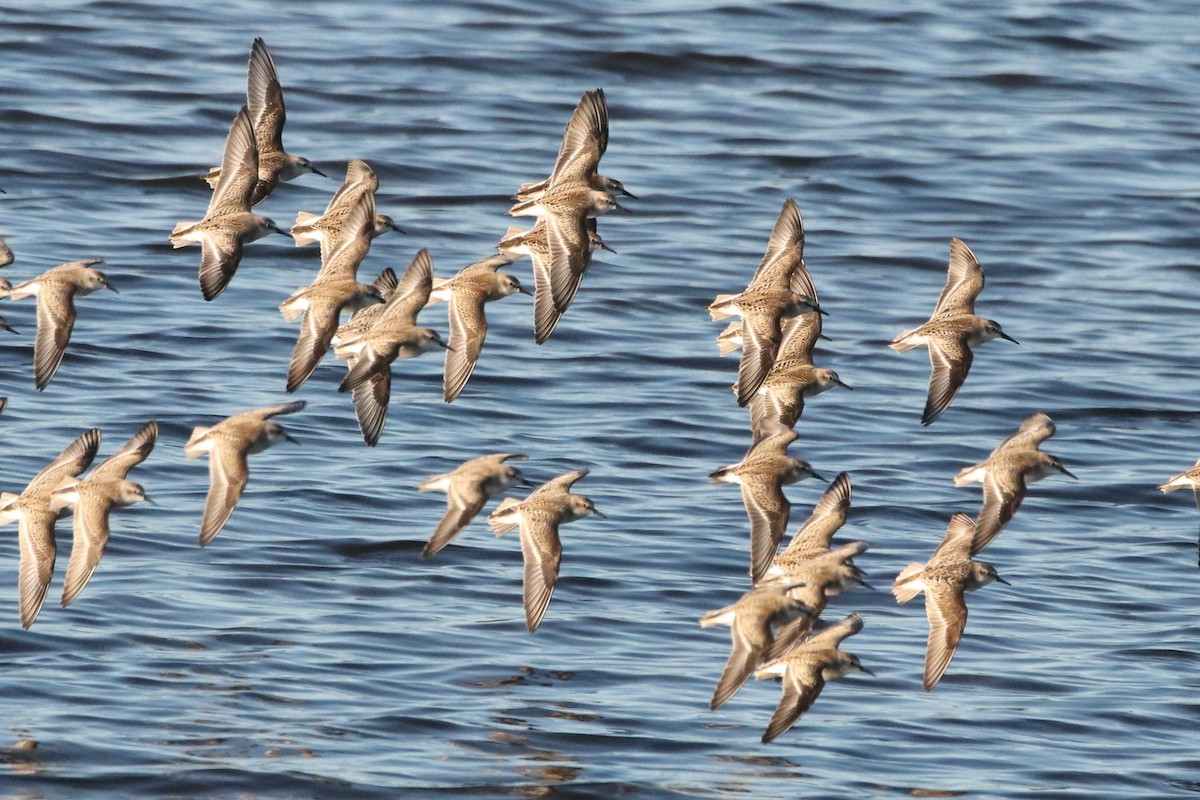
381 328
774 626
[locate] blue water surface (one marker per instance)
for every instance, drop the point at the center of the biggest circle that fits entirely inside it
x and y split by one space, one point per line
308 652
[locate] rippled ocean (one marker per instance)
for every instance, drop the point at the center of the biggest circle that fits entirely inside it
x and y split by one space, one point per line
309 653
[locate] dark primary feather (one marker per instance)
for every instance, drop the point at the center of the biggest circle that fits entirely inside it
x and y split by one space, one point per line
950 361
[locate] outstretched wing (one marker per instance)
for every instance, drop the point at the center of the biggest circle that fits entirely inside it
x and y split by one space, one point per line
964 282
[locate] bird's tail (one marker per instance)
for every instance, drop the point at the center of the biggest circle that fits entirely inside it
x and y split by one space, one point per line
300 231
908 583
500 521
901 344
194 447
717 308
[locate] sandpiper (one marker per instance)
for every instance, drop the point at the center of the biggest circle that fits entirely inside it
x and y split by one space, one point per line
229 223
330 226
567 203
557 273
584 141
1189 480
762 473
952 331
393 333
321 303
1005 474
781 288
91 500
467 488
538 517
565 212
35 515
466 292
56 290
341 256
779 402
944 578
264 99
228 444
806 669
750 621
